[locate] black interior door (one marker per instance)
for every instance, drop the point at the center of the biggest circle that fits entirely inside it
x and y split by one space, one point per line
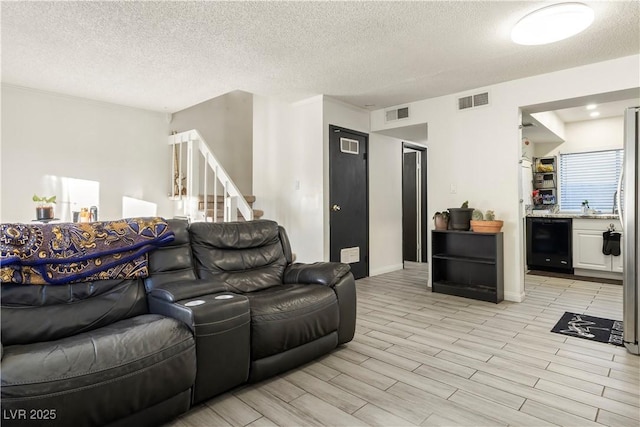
409 207
348 196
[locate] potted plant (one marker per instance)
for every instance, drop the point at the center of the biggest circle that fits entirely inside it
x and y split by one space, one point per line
460 218
486 223
44 209
441 220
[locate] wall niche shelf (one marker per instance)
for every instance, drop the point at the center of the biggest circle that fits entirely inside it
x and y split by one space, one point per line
468 264
545 180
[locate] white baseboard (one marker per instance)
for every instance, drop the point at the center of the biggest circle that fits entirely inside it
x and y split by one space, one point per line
595 273
385 269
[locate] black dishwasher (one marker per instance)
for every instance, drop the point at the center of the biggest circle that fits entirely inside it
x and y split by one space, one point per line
549 244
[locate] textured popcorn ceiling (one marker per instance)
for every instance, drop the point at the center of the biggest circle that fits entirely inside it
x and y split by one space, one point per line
167 56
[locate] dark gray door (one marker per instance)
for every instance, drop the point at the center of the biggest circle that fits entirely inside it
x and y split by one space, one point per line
349 199
410 207
414 202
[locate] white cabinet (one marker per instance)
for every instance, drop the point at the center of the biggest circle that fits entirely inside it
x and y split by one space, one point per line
587 246
616 261
587 250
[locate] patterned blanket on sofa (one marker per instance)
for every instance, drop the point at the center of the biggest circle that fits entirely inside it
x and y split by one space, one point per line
40 254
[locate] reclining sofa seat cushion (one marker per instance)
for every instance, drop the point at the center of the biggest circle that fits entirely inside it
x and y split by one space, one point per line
91 352
250 258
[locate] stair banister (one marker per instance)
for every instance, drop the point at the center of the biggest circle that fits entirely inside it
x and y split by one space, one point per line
232 196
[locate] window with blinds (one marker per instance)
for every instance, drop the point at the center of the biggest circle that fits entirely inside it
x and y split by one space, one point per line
591 176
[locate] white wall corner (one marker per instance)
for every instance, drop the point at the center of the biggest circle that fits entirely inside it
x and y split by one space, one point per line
514 296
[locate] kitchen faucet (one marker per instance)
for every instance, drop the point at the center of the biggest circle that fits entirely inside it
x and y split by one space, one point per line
615 200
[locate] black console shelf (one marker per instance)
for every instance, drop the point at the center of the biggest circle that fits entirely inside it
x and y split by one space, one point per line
468 264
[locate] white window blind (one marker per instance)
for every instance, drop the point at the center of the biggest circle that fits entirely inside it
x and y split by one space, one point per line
591 176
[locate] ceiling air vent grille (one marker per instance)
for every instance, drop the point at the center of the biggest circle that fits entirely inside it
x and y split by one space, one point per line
397 114
473 101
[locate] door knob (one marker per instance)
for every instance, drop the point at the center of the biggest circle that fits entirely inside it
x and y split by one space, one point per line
335 208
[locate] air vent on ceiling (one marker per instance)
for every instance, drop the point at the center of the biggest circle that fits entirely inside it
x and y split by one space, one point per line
397 114
472 101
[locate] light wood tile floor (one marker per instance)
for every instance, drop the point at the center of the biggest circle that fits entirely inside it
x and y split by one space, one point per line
426 359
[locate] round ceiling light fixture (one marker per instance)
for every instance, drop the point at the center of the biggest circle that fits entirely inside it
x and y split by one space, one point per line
552 23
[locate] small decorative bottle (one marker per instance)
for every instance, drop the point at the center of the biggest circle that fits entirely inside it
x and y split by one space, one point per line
85 215
94 213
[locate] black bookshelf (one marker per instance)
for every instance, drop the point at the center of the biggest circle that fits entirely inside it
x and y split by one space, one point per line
468 264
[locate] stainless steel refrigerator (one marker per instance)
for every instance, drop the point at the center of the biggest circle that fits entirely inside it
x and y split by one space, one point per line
629 216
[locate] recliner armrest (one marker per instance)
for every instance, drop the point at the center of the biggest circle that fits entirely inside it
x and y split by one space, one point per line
176 291
321 273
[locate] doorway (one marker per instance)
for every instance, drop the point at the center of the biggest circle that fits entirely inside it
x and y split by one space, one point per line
539 141
349 199
414 203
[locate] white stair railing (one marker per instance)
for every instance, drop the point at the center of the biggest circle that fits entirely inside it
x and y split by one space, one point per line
196 145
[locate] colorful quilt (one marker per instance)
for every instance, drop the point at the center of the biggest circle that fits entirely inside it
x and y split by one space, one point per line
41 254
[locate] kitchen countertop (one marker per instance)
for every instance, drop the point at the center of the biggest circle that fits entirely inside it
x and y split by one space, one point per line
575 215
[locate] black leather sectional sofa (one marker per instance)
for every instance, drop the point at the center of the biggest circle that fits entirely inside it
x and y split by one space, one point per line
223 304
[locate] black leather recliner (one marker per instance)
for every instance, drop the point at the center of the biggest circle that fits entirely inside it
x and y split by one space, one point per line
224 304
254 312
91 354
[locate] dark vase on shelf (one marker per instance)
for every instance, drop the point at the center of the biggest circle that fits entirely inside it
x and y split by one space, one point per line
44 212
460 218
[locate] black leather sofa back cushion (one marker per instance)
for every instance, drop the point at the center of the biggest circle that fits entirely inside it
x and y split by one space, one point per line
246 257
35 313
173 262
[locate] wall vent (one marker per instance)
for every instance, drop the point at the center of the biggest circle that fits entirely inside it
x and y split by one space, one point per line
481 99
465 102
472 101
397 114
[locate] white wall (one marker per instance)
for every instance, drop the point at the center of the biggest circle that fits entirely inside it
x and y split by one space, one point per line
46 135
291 166
478 150
288 170
226 123
589 135
551 121
385 204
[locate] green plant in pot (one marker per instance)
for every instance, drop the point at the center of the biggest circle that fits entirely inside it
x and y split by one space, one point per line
486 223
44 209
441 220
460 218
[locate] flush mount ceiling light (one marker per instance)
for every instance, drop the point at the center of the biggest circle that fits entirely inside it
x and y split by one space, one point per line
552 23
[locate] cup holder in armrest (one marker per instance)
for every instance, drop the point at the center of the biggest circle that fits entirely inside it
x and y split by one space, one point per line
207 298
214 310
194 303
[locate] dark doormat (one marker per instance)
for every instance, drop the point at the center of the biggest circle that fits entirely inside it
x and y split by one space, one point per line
590 328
